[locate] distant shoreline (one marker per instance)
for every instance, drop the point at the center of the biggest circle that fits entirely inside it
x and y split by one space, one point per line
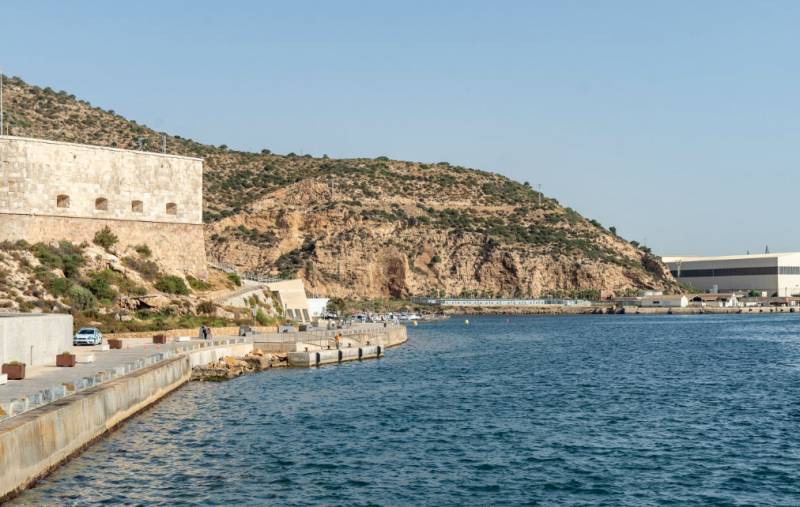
610 310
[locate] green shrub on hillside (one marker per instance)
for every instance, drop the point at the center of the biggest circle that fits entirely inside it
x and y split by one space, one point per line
143 250
55 285
206 307
100 287
172 285
105 238
66 257
147 268
81 298
197 284
264 319
235 279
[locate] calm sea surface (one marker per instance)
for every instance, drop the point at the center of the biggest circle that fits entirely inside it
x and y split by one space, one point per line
591 410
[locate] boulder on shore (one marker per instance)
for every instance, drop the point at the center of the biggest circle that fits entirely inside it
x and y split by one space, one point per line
230 367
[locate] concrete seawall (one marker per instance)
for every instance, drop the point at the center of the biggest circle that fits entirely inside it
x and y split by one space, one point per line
34 443
356 336
370 345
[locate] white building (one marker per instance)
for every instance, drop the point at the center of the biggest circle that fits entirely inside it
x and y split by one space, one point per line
773 273
34 338
317 306
665 301
717 300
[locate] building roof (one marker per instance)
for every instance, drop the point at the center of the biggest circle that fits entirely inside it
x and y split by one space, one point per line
687 258
664 296
714 297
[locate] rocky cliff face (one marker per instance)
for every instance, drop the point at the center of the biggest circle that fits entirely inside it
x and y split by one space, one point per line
390 245
369 227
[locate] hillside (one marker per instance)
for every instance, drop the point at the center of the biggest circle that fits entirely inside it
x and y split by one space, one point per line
370 227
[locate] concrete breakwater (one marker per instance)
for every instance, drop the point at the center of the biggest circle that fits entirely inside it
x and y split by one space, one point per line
35 442
310 341
320 357
371 345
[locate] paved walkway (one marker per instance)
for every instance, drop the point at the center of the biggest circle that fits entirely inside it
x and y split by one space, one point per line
43 384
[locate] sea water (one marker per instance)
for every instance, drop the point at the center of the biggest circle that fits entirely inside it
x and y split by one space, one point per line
582 410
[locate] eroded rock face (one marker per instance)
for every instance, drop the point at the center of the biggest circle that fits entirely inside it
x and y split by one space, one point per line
348 250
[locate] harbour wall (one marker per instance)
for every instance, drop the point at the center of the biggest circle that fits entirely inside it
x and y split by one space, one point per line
34 443
357 336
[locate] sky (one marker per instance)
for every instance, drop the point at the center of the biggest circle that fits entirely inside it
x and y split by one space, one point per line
676 122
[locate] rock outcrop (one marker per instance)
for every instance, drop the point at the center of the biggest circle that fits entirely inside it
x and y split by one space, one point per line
389 245
231 367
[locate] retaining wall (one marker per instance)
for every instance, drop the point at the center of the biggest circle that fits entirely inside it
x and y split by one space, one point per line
35 442
34 339
368 334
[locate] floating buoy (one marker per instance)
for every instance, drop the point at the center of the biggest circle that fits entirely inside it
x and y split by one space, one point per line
466 322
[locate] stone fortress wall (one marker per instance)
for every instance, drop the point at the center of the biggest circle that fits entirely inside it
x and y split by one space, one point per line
53 190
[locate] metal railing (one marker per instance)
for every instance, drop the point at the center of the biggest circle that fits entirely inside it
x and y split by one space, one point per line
324 337
62 389
255 277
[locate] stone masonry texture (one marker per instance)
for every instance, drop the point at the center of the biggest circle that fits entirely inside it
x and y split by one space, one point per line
52 191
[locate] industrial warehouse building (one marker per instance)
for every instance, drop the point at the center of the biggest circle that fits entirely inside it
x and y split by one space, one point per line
777 273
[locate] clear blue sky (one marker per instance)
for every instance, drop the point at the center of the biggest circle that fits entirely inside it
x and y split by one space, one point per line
677 122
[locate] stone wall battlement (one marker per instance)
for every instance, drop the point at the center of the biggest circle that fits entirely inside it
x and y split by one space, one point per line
49 178
52 191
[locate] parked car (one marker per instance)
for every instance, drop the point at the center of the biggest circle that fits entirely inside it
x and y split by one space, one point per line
88 336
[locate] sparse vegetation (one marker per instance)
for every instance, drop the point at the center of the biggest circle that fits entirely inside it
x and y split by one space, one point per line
147 268
443 203
143 250
172 285
105 238
197 284
206 308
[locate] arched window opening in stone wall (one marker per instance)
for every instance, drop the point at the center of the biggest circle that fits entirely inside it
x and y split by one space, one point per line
101 204
172 208
137 206
62 201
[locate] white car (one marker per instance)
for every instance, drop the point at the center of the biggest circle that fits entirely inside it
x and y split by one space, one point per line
88 336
